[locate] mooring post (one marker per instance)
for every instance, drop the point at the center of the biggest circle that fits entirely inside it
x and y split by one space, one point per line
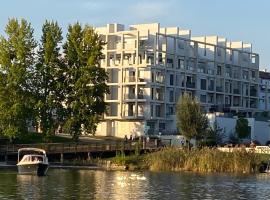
62 158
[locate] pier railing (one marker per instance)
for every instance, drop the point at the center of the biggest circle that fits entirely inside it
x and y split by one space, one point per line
52 148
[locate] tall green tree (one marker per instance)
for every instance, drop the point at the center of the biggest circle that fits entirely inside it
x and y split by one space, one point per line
191 120
214 134
241 128
17 52
49 78
85 80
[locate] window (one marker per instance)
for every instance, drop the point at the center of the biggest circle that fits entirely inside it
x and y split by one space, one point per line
203 98
211 85
158 111
171 79
171 110
219 70
171 96
190 65
203 84
160 57
181 64
170 62
161 126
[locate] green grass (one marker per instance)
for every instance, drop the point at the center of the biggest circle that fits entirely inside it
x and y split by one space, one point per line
32 138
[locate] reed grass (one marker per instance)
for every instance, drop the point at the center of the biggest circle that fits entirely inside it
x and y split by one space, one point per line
204 160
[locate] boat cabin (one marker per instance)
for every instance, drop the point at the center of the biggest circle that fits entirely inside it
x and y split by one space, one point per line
33 159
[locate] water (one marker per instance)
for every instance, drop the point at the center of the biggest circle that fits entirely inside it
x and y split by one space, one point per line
91 184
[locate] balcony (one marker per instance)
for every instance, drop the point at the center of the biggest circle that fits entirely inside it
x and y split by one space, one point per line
219 89
159 97
190 84
129 96
141 79
253 92
236 91
211 87
141 96
130 79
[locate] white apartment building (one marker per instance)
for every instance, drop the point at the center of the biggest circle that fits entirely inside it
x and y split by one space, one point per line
264 92
150 67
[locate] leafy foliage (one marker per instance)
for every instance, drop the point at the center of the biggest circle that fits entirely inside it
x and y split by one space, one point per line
16 60
85 80
48 85
214 135
49 79
191 120
241 128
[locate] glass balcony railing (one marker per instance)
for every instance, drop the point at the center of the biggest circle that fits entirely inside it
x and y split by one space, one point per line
190 85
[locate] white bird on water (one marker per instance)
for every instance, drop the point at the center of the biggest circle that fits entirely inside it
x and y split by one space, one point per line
137 177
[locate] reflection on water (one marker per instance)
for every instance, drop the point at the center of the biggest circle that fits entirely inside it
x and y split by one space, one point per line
90 184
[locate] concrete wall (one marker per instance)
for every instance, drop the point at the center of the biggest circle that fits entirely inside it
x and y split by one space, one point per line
260 130
120 128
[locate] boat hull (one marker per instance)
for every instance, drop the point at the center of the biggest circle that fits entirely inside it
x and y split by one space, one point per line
39 169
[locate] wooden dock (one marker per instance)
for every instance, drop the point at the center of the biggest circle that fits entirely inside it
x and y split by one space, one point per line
56 148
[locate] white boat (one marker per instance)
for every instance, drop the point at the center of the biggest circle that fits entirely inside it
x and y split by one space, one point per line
34 161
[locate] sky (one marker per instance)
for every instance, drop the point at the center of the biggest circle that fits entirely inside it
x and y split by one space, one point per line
237 20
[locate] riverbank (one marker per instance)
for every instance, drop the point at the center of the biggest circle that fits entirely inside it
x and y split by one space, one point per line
196 160
175 159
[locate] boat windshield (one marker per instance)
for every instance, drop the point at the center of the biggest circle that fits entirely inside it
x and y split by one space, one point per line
32 158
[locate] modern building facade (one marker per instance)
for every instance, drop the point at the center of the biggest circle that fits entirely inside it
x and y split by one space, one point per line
150 67
264 91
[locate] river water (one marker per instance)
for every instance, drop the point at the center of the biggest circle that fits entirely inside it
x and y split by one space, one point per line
97 184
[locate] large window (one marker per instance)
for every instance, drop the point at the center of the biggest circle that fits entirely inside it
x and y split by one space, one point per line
171 79
203 84
171 96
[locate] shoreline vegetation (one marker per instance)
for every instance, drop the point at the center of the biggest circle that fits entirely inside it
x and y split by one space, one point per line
203 160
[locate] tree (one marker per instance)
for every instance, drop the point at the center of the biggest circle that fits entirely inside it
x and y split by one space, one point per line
85 80
241 128
191 120
215 134
16 62
49 76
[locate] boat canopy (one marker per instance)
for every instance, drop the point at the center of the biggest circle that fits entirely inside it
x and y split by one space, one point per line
32 149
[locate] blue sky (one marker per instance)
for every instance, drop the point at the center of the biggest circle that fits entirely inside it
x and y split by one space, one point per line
246 20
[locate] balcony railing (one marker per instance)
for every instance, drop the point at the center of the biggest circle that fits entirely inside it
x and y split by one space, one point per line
253 92
236 91
129 96
130 79
190 85
141 96
211 88
141 79
219 89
